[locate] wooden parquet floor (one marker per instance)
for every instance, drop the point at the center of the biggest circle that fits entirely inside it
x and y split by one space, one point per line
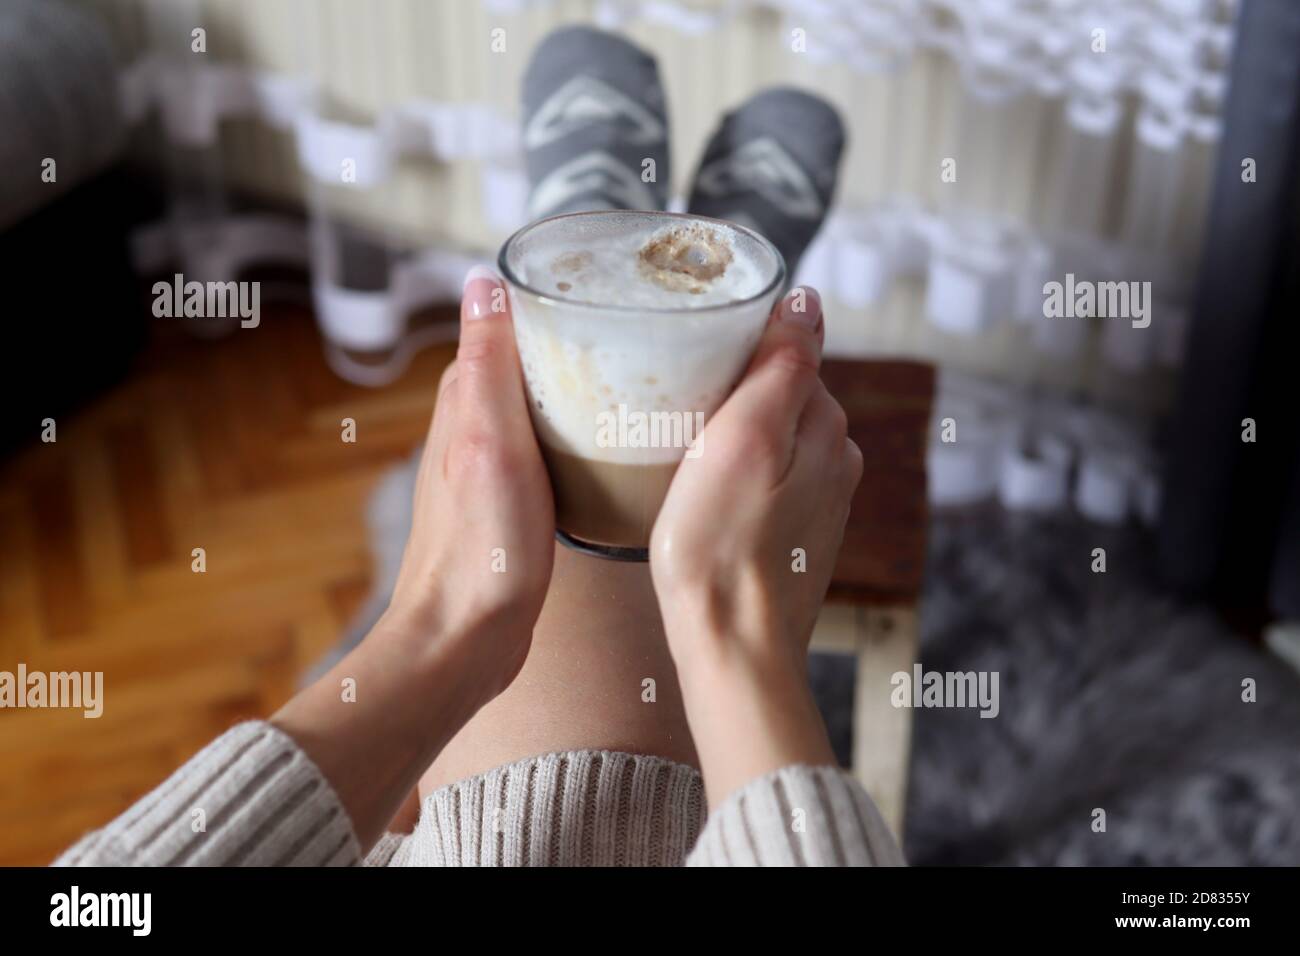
232 446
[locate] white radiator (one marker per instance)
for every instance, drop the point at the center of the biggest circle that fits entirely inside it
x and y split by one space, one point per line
1083 134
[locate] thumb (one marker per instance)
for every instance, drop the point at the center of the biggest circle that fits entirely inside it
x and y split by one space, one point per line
489 383
770 399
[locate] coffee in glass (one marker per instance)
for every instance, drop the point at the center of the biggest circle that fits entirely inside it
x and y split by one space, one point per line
632 328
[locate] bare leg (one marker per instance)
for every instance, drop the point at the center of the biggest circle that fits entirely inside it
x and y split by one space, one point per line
583 687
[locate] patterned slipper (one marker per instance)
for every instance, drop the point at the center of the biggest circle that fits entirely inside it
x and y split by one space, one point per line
772 166
595 130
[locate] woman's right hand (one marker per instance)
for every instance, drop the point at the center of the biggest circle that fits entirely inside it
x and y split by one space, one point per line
743 550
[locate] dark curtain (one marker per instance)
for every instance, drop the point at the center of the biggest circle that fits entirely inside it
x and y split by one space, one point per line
1230 527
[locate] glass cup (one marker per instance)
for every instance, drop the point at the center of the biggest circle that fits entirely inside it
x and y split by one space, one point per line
619 392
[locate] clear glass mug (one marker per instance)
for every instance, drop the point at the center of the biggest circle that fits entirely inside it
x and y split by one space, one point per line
619 393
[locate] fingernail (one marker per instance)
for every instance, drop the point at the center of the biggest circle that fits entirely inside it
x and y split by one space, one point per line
479 272
802 306
480 304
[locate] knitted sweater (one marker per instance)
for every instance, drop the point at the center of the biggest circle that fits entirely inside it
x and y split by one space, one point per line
264 802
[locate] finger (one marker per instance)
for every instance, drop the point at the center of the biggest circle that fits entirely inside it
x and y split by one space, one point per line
822 431
440 424
444 409
448 376
783 371
444 406
770 399
823 426
853 464
489 383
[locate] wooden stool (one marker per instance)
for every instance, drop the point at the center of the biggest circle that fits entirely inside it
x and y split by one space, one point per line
870 609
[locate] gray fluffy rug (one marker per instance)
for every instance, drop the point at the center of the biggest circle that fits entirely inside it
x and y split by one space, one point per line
1113 696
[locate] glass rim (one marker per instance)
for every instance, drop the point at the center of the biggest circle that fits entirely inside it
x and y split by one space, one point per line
548 298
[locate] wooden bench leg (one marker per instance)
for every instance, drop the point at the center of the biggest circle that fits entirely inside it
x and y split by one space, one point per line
882 733
884 641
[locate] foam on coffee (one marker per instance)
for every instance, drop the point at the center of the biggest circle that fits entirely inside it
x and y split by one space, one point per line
689 264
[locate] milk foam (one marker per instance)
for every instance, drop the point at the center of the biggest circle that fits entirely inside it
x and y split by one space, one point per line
610 269
583 363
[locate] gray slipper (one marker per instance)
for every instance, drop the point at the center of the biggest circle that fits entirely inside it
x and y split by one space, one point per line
594 114
772 166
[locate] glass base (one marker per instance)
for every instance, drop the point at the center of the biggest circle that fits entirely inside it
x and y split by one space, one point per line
608 551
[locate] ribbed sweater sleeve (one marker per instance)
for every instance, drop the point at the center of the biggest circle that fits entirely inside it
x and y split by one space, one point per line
797 816
392 849
262 801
